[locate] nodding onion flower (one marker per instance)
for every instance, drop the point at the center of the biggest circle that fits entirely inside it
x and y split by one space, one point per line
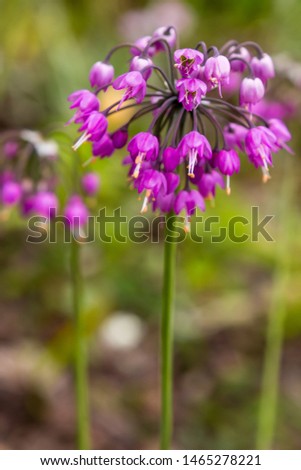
192 126
29 177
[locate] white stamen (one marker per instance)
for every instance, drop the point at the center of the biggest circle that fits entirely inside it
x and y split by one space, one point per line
138 161
137 171
263 157
90 160
265 169
228 187
192 162
145 201
81 140
265 174
265 165
187 224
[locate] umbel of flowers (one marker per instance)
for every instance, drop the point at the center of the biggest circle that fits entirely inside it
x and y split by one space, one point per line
29 179
196 136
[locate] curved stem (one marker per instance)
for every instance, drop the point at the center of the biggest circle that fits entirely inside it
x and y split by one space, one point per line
201 123
160 111
237 109
194 120
249 44
167 119
227 46
171 119
233 116
233 57
120 46
168 50
133 105
107 110
167 340
80 353
165 78
155 88
176 127
142 112
202 44
214 50
215 124
102 88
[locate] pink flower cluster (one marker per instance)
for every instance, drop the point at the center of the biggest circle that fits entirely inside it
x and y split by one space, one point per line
192 125
29 180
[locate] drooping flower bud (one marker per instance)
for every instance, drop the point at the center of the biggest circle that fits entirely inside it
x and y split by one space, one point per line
27 205
119 138
91 183
164 202
263 67
45 204
251 91
76 212
188 201
208 182
168 34
239 58
235 135
10 148
11 193
172 181
217 71
141 44
101 75
171 158
142 65
103 147
228 163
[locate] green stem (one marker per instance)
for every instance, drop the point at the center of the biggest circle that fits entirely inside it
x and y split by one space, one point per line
167 341
271 368
80 353
276 320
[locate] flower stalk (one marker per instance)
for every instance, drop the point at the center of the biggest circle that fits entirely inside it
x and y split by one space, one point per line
271 368
276 320
167 319
80 352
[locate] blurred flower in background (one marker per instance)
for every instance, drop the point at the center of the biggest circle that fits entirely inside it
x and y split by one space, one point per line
136 22
28 173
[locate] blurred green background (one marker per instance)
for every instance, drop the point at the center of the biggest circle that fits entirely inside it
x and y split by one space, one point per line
225 291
